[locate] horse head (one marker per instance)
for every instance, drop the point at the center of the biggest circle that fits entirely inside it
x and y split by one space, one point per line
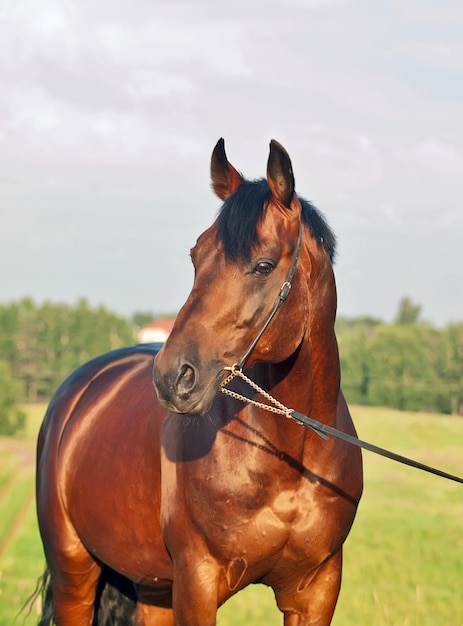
242 264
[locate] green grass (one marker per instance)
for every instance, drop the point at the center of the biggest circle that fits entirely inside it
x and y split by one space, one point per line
21 554
404 557
403 562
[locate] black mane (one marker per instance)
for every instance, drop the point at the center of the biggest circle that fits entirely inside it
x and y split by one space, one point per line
242 211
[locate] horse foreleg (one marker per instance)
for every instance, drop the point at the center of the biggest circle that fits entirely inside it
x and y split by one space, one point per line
195 592
154 607
311 600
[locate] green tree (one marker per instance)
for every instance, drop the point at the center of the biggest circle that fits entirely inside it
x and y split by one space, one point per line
12 419
407 365
354 337
44 344
141 318
355 366
454 371
406 361
408 313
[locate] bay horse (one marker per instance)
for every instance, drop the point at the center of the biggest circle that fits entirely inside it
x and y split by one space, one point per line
176 496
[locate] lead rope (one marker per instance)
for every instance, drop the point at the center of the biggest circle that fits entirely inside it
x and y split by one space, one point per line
321 429
278 408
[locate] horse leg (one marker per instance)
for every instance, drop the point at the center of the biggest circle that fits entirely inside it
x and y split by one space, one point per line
74 583
311 600
154 607
195 591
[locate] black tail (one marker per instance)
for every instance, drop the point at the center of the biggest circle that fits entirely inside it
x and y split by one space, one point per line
115 601
43 593
45 590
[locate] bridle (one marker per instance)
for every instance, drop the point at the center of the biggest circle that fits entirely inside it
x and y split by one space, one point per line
282 295
323 430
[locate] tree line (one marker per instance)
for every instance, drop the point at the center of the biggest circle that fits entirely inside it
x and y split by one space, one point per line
407 365
40 345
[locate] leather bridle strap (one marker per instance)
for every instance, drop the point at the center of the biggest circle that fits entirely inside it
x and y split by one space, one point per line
284 292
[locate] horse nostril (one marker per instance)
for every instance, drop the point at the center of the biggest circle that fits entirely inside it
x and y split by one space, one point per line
186 381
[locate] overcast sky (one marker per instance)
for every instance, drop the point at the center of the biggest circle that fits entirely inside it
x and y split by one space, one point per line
109 111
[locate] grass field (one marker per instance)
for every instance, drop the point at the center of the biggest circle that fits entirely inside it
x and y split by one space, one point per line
403 559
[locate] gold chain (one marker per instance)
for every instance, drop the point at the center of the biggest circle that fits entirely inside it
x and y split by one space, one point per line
279 408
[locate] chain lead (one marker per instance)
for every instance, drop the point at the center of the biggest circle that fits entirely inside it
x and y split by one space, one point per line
236 371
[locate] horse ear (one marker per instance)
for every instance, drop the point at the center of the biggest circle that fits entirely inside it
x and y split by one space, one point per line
280 174
225 178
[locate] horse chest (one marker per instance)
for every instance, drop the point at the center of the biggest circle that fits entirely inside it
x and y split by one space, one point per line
260 507
257 516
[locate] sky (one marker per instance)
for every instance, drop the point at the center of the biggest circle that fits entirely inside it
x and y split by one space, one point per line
110 109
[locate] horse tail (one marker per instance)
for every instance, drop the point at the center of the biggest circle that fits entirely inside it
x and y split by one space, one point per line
115 601
43 593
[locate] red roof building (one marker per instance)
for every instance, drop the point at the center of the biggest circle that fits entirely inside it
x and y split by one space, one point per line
155 332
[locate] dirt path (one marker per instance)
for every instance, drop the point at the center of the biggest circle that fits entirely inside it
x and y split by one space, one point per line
21 457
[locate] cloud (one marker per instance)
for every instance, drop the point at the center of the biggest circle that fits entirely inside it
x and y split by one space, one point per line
436 157
439 53
109 113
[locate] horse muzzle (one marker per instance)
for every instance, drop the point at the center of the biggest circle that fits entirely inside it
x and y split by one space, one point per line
183 388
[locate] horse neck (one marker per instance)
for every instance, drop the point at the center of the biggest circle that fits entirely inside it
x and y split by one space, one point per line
291 383
307 382
321 347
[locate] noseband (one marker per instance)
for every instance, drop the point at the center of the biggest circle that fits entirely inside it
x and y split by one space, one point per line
283 294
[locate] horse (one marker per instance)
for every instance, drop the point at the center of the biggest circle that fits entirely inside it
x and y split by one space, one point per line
175 495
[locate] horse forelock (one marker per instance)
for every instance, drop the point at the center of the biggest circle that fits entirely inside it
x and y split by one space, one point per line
239 217
241 213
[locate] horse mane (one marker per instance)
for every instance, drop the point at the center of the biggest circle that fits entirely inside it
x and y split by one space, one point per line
241 213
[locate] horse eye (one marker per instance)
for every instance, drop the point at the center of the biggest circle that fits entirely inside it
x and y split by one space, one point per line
263 268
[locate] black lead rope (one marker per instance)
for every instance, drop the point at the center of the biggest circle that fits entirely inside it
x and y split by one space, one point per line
323 429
